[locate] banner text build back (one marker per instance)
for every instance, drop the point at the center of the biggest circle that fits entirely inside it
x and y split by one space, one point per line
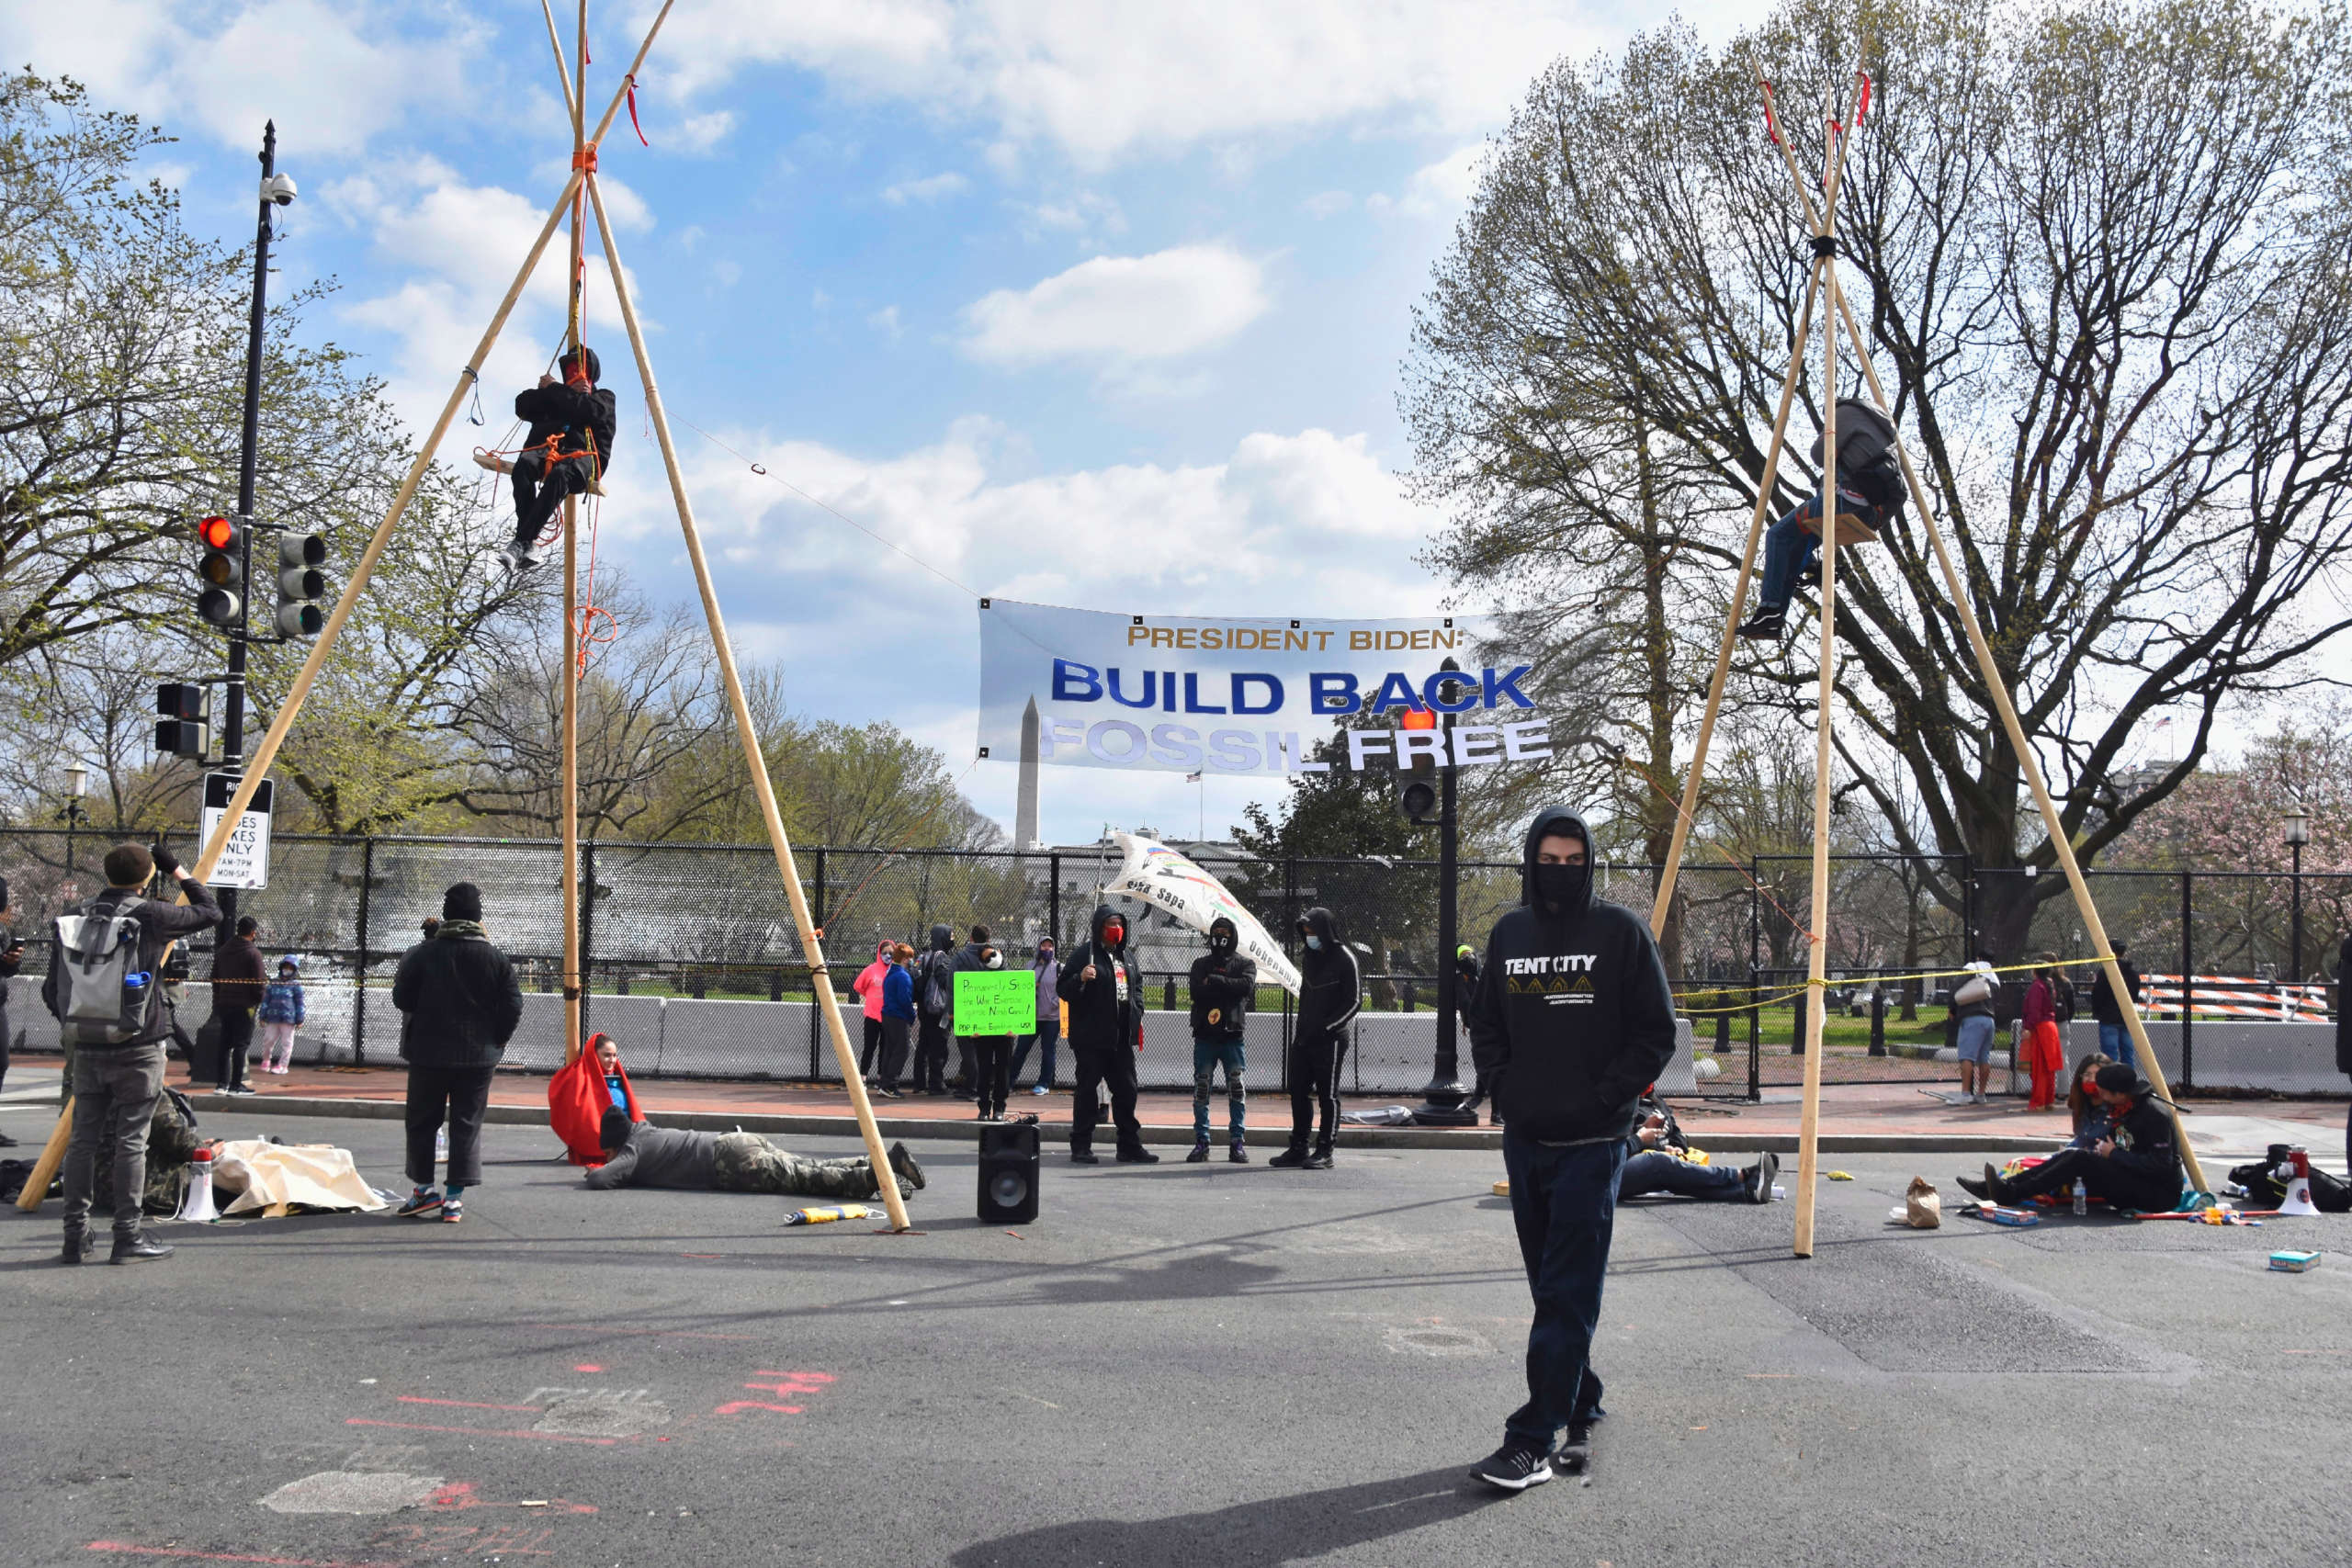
1188 693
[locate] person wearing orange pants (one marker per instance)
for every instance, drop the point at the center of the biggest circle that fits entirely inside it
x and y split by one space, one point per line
2045 1056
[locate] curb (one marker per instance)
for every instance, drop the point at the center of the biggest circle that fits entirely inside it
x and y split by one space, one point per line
969 1131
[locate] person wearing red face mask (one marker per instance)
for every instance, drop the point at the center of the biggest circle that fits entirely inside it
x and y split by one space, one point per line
1105 997
570 448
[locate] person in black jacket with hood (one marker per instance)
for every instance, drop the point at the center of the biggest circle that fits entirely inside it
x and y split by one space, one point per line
1105 997
935 982
1329 993
1224 985
459 1003
573 423
1573 1021
2344 1030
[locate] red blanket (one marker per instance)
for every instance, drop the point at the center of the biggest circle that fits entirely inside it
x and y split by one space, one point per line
577 1099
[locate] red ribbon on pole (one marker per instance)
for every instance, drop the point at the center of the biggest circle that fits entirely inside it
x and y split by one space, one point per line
632 114
1771 126
1863 106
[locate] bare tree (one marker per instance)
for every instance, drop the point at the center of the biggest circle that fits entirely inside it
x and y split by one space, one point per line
2097 254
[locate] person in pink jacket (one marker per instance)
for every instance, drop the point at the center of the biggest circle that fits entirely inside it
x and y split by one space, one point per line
868 985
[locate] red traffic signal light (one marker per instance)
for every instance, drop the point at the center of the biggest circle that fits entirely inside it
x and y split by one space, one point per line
223 567
216 532
1417 718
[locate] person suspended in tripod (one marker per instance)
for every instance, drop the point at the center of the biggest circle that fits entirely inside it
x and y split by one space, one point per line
1870 497
573 421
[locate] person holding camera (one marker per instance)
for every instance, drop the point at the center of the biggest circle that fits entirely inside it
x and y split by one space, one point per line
116 1081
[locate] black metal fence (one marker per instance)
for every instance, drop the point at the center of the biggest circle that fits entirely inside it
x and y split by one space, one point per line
696 922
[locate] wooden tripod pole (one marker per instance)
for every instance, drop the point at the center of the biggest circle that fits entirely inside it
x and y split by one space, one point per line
2053 825
1688 811
570 675
257 767
53 1154
811 944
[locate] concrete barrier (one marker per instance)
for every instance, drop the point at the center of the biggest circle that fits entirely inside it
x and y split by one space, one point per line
2289 1058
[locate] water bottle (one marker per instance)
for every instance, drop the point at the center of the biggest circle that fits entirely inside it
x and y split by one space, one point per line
137 982
441 1143
2082 1197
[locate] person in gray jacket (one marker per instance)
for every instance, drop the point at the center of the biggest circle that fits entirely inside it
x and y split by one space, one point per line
639 1153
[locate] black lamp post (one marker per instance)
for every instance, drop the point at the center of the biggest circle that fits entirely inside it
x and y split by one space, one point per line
1442 1098
77 779
2299 833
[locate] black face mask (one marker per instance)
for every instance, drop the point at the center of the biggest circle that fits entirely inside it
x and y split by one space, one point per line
1220 943
1561 888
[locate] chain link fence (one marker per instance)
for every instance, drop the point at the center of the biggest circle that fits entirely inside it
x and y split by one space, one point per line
691 959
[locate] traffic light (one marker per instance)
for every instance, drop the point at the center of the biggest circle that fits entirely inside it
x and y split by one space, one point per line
1417 798
223 570
299 583
183 724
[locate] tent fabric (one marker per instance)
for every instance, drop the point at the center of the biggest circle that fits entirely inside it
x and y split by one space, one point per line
576 1100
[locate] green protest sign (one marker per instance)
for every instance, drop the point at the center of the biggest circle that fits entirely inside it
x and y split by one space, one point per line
996 1002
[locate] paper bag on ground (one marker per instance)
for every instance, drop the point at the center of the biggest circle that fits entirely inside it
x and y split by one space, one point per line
277 1178
1923 1209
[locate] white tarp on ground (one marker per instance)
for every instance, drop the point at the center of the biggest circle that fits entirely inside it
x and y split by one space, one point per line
271 1177
1168 880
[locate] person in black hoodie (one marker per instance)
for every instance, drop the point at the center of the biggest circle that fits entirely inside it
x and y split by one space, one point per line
573 423
460 1003
2135 1166
1573 1021
1105 997
1329 993
1224 985
934 1000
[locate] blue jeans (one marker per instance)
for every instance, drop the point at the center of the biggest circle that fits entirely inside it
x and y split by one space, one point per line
1050 1030
2115 1043
1789 547
1564 1204
1655 1170
1207 1054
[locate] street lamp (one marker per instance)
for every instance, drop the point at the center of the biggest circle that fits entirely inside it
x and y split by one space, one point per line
2299 833
77 780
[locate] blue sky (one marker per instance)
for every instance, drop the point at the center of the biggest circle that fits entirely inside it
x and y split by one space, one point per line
1092 303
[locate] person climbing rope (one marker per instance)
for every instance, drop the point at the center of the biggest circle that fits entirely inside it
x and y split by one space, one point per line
1870 493
569 450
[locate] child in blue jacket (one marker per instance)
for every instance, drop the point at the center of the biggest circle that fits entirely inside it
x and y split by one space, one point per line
281 1009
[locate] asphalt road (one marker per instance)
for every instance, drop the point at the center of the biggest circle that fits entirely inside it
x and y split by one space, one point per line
1181 1364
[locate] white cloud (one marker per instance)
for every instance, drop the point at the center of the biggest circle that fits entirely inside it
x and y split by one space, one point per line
1330 203
701 132
1438 190
1119 310
331 75
1104 80
886 321
932 188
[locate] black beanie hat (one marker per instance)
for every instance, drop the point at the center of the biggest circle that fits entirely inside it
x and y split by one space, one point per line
587 362
612 1131
462 902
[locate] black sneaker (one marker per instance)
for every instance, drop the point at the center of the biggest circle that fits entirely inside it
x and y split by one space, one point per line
1760 1178
1811 575
904 1164
1238 1153
1512 1469
1576 1454
1765 624
1974 1188
137 1249
1138 1156
1200 1154
1320 1159
1084 1156
79 1245
517 557
1291 1158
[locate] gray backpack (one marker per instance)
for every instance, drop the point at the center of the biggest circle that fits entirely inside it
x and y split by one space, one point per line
103 1000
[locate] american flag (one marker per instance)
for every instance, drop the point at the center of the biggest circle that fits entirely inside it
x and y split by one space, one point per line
1191 778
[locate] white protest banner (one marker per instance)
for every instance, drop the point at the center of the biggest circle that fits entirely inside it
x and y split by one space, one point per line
1189 693
245 861
1170 881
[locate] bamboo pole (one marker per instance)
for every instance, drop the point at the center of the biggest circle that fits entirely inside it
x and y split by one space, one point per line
2060 842
812 949
257 767
570 676
53 1154
1688 810
1818 916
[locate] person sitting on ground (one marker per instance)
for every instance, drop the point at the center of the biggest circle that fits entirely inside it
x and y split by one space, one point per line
1657 1160
608 1064
2082 1102
2135 1166
639 1153
569 450
1870 490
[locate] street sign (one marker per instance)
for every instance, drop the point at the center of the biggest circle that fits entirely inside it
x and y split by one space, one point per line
996 1002
245 861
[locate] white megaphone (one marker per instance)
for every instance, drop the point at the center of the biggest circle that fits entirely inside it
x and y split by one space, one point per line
2297 1174
196 1208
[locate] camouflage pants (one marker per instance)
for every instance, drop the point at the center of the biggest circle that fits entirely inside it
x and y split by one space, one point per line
749 1163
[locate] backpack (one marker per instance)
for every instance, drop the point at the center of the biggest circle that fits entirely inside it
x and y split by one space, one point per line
103 999
938 984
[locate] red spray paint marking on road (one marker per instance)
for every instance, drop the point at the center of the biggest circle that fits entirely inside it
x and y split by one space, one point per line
789 1384
587 1367
484 1432
459 1494
127 1548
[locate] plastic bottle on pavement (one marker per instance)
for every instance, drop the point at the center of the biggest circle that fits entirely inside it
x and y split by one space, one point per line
2082 1197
